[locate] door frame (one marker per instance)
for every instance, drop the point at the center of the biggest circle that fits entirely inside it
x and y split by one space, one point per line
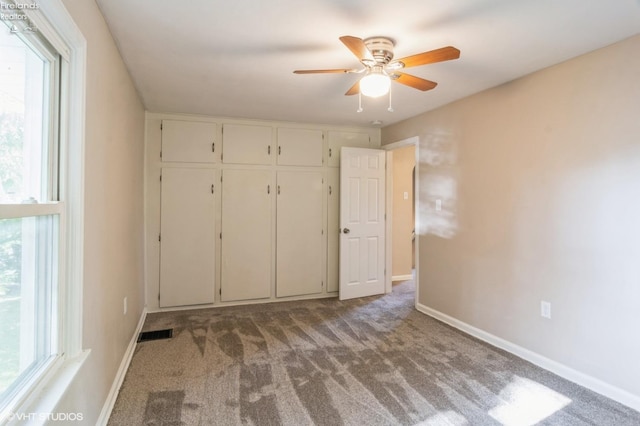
415 141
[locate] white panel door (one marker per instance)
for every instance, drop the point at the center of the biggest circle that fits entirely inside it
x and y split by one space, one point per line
245 144
187 243
299 147
362 209
299 252
339 139
246 234
189 141
333 237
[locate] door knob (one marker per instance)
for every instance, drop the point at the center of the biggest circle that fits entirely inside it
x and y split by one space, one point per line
346 230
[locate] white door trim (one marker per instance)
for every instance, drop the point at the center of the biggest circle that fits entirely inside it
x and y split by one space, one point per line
415 141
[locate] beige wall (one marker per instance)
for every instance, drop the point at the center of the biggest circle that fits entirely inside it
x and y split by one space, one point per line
113 252
404 161
540 185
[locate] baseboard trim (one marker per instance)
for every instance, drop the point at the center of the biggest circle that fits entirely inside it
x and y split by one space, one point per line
402 277
582 379
122 371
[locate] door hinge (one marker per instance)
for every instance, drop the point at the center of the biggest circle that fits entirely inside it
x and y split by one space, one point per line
212 188
160 178
329 152
220 292
160 153
159 237
221 235
158 297
213 147
160 129
222 156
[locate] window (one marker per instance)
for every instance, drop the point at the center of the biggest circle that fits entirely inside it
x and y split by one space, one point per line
40 201
29 230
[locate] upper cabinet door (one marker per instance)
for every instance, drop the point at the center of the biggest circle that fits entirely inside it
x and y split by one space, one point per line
244 144
299 147
339 139
189 141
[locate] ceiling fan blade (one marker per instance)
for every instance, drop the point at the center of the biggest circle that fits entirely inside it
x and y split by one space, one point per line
354 90
357 47
415 82
443 54
333 71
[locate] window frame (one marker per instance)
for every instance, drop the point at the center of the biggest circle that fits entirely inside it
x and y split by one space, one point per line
46 387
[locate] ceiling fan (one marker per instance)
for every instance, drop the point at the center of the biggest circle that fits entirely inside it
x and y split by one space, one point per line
376 55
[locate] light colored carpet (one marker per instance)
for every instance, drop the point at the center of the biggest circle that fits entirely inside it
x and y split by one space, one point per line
371 361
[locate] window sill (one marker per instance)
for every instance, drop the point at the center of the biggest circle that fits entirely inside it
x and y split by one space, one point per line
39 405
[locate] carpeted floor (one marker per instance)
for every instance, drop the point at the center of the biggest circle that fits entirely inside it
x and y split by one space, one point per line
371 361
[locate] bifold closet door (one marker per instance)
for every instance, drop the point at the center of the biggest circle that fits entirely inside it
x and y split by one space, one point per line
246 234
299 252
187 237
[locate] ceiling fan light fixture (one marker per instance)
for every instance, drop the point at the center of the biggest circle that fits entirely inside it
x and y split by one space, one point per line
375 83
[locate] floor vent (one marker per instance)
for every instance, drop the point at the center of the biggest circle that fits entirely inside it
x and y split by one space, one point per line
145 336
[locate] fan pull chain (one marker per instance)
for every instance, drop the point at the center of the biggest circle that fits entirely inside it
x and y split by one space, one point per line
359 102
390 109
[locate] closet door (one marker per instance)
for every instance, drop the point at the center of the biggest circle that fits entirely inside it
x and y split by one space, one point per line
339 139
299 243
189 142
244 144
333 231
299 147
246 234
187 237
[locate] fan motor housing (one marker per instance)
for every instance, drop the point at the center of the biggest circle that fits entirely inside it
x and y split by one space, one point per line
381 48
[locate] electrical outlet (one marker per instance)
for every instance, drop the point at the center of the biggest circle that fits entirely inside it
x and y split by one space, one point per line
124 302
545 309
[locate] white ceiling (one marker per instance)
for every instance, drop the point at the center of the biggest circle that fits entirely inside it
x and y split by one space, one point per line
235 58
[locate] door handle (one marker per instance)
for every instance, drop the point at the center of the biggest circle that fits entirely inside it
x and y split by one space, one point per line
346 230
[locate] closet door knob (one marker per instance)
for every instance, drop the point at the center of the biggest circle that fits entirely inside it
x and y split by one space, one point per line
346 230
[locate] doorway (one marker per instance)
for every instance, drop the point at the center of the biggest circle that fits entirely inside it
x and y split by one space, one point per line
402 190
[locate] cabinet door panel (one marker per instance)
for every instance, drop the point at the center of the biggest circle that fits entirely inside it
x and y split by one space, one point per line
188 141
187 251
333 238
340 139
244 144
246 234
299 147
299 256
